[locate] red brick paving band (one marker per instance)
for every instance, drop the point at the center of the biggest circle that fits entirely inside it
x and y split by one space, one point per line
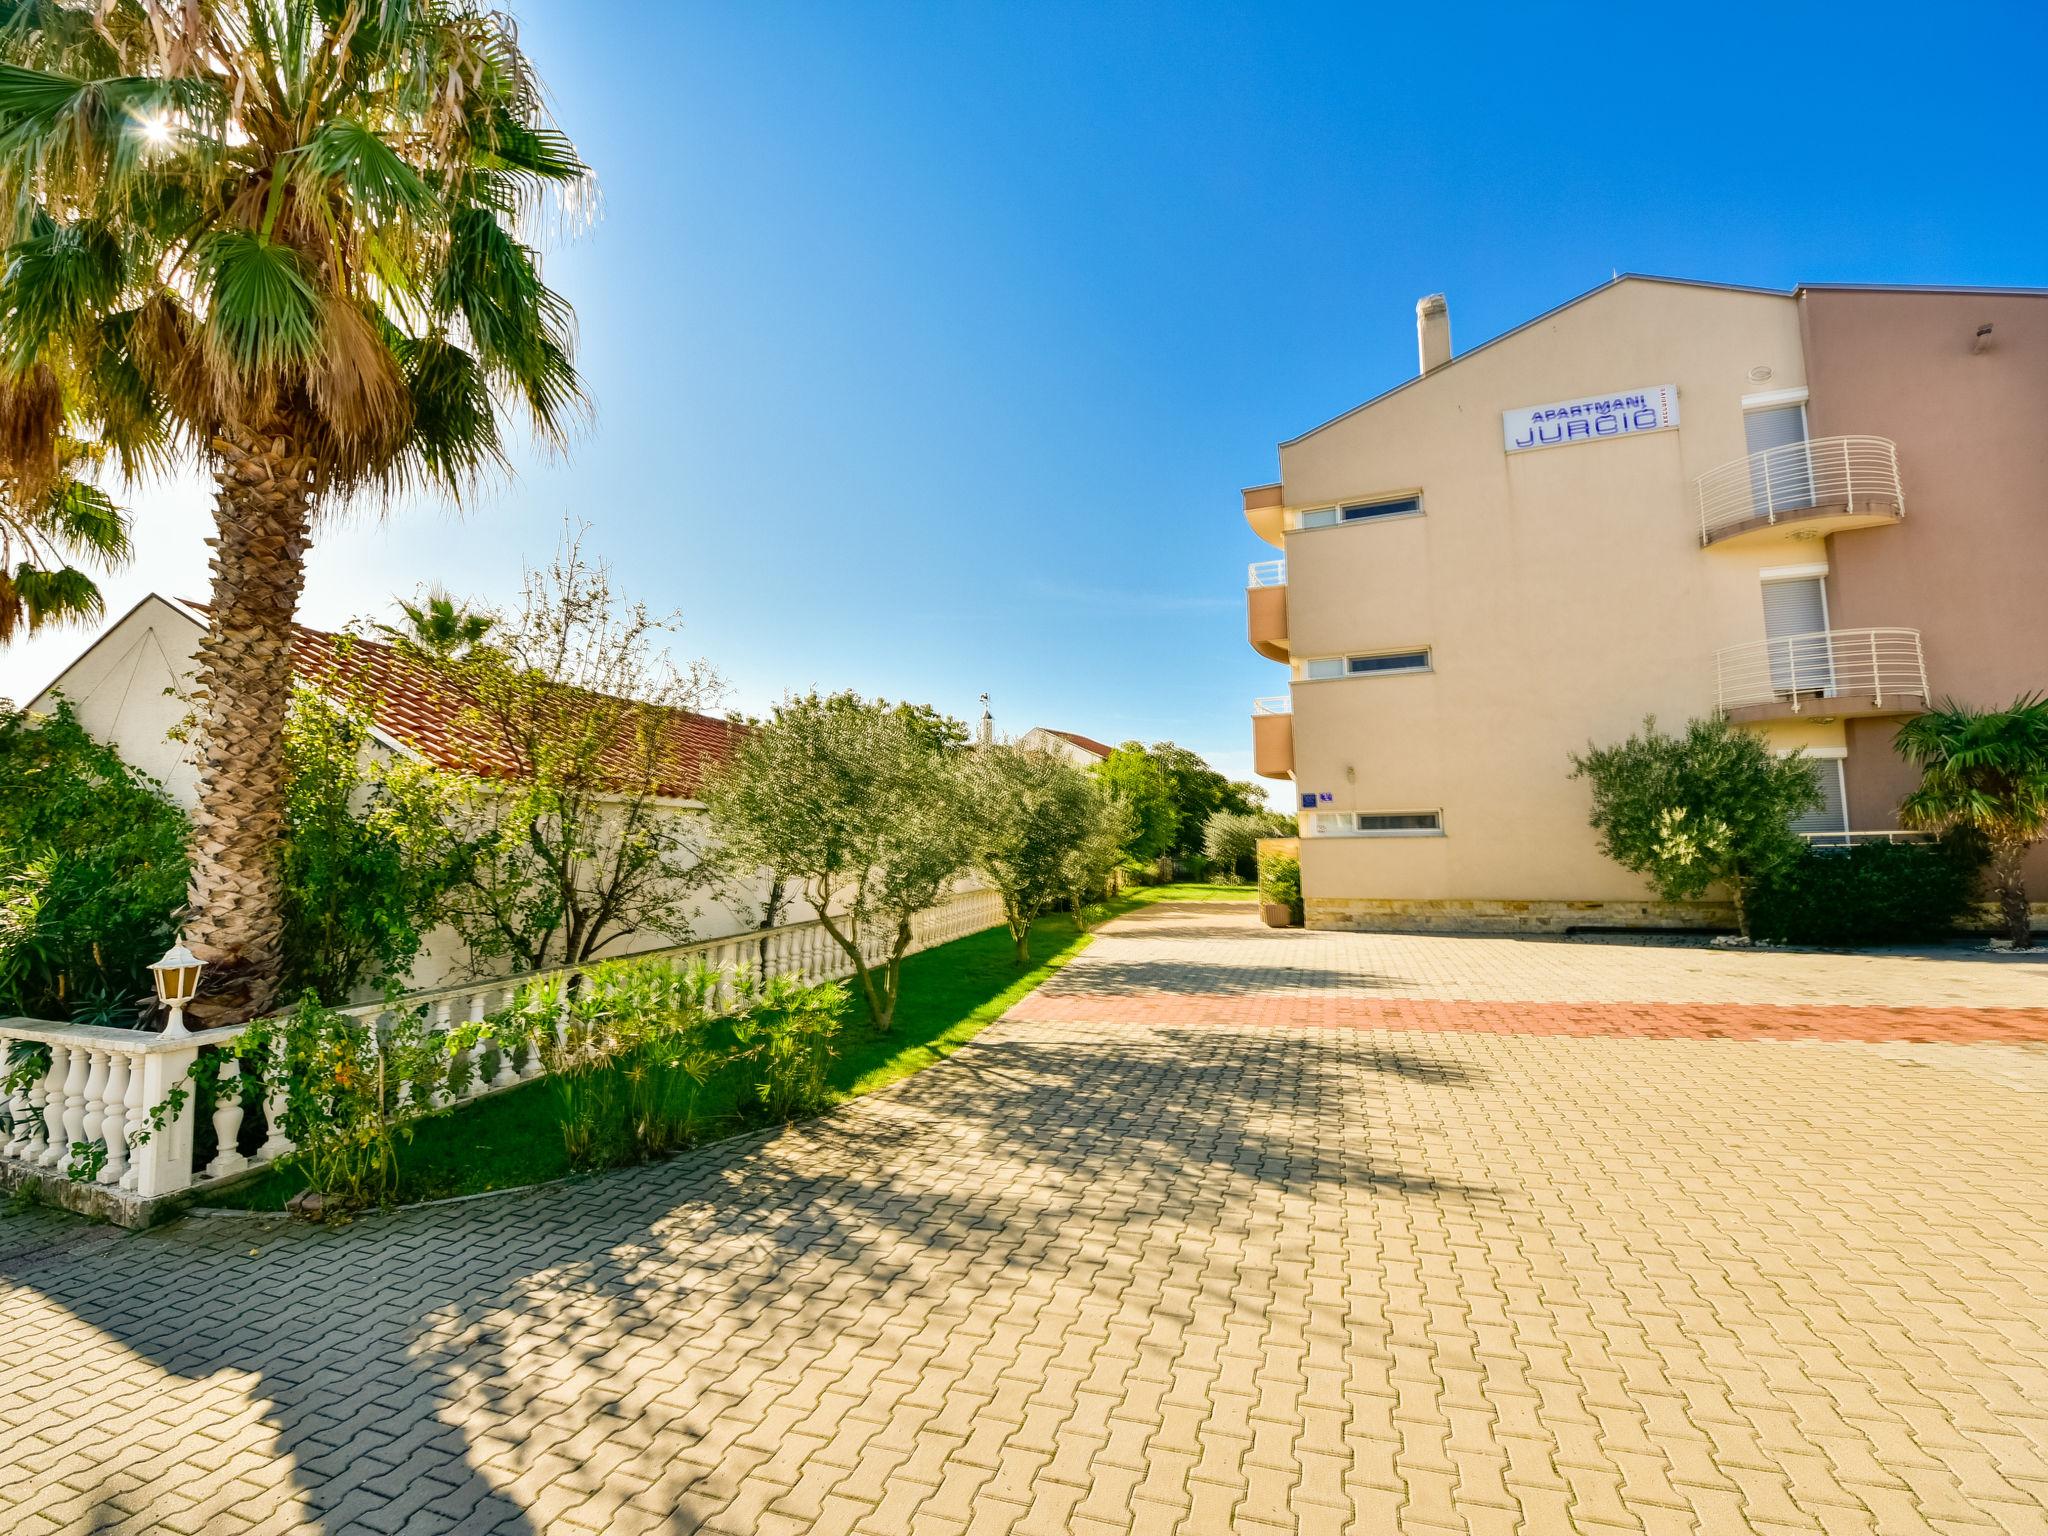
1652 1021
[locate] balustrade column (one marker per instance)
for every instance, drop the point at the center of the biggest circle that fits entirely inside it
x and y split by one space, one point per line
92 1110
66 1115
277 1106
507 1075
136 1122
227 1119
40 1103
20 1120
114 1120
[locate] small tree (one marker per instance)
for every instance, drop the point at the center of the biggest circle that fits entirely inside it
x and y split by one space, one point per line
1231 838
568 727
1134 777
1986 770
1029 813
858 802
1092 863
1198 792
1686 811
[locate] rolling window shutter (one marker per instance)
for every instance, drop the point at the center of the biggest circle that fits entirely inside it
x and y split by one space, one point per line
1778 427
1794 607
1833 815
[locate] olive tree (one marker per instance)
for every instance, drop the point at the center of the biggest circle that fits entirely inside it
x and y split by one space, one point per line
1032 816
1713 804
856 802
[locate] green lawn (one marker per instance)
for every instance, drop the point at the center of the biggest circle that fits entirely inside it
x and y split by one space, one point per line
950 994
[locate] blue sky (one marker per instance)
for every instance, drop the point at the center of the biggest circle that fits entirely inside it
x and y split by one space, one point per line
931 344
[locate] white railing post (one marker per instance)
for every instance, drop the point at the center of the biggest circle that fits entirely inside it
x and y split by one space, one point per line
1848 477
1770 500
1876 672
114 1119
276 1104
227 1118
1898 485
162 1165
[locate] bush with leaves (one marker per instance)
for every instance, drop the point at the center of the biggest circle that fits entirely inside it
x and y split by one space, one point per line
1231 838
92 873
1985 771
1873 893
362 885
1711 805
1280 882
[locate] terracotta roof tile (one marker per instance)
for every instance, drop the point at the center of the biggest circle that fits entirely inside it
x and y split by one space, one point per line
418 710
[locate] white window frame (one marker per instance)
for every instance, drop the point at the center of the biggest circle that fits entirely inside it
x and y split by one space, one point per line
1299 522
1427 653
1355 830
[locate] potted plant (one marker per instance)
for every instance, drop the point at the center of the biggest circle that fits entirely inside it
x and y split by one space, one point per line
1280 890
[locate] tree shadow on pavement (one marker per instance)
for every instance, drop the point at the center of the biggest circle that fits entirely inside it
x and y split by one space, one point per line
495 1364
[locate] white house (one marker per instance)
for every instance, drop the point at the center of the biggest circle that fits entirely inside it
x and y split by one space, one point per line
131 689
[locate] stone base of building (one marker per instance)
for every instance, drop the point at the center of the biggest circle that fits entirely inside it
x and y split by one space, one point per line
1398 915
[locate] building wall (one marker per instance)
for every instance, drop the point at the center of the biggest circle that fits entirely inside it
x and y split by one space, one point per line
131 689
1968 565
1563 592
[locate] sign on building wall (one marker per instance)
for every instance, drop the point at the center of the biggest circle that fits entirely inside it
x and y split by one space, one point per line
1624 414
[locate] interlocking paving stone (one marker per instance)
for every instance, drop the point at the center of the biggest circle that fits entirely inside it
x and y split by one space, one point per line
1139 1260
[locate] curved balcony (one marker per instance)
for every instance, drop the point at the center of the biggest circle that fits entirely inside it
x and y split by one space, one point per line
1273 737
1821 486
1265 510
1265 606
1824 674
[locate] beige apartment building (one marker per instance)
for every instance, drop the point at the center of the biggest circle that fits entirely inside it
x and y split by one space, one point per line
1813 512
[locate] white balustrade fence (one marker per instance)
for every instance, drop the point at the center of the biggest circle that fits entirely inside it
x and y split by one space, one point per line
1872 664
84 1118
1852 473
1266 573
1275 704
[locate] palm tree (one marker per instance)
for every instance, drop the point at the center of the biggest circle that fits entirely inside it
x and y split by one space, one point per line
1986 770
48 521
439 628
282 235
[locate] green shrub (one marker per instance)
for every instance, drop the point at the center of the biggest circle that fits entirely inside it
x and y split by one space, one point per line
1280 881
1874 893
92 873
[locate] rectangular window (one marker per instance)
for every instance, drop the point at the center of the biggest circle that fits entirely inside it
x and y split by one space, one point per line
1380 824
1378 663
1391 661
1360 511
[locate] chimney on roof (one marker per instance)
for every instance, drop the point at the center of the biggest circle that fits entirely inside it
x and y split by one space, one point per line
1433 331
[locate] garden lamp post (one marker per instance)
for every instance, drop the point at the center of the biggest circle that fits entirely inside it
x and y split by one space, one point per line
177 978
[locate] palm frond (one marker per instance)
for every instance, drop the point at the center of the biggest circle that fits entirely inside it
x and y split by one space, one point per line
263 313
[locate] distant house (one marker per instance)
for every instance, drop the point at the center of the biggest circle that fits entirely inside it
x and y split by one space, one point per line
1084 750
131 689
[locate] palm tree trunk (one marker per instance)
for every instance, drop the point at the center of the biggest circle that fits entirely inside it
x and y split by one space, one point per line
263 516
2011 886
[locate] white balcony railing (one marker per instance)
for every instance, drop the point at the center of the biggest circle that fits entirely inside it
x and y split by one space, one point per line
1857 839
1873 664
1277 704
82 1118
1266 573
1780 482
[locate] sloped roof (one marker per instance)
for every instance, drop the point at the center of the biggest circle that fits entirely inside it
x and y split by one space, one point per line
422 713
1085 743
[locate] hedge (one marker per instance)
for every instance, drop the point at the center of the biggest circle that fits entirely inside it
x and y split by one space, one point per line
1873 893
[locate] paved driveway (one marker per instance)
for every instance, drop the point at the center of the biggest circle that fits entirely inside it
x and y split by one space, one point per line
1507 1242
